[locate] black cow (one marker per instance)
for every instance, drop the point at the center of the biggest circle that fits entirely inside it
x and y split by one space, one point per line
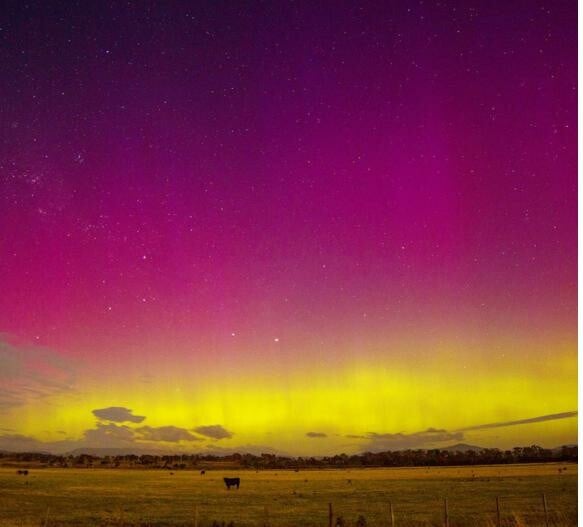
22 472
202 472
232 482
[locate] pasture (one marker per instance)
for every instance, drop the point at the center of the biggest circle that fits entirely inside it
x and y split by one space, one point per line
278 498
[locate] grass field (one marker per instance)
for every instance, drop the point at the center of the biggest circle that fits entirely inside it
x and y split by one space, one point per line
84 497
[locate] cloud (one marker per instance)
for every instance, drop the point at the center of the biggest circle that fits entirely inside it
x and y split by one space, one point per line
539 419
118 414
435 437
112 434
316 434
214 431
31 373
20 443
170 434
104 435
430 438
109 435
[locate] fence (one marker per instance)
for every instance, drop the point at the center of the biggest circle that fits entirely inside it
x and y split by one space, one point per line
499 515
503 513
391 518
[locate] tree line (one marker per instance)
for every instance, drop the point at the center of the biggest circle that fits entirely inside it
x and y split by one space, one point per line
400 458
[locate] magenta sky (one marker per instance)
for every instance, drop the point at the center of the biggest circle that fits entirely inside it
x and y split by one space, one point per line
289 190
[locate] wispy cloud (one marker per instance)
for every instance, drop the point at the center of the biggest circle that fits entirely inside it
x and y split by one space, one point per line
538 419
31 373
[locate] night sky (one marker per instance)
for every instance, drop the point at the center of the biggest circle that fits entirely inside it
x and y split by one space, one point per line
306 226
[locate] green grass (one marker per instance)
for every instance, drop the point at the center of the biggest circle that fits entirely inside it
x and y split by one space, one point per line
84 497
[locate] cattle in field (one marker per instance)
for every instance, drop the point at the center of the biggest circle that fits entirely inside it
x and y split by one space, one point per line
232 482
202 472
22 472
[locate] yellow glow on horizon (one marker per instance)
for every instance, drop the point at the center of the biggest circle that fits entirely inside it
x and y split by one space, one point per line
278 408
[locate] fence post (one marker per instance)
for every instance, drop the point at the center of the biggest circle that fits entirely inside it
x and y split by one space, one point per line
196 516
46 522
546 510
330 516
498 519
392 514
445 513
266 522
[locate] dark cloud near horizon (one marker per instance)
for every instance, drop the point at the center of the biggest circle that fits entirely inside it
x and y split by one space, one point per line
104 435
433 437
538 419
168 434
118 414
400 441
120 435
214 432
109 434
21 443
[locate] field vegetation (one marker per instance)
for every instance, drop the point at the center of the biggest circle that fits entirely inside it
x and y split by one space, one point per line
129 497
